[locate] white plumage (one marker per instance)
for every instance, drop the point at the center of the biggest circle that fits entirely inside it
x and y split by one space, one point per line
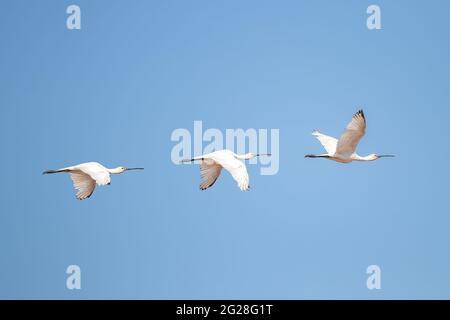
344 149
86 176
211 165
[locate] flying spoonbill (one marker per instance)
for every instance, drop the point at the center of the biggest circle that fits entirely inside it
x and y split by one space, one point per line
211 165
86 175
344 149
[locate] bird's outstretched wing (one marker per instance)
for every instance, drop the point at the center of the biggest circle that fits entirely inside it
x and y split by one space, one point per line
240 175
238 171
229 162
329 143
209 171
355 130
83 183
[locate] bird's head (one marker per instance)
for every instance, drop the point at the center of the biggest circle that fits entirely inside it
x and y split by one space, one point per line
251 155
375 156
123 169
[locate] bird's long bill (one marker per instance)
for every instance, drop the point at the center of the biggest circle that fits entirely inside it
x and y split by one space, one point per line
135 169
386 156
263 154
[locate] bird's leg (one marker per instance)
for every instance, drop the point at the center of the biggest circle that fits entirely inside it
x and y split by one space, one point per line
317 156
55 171
192 160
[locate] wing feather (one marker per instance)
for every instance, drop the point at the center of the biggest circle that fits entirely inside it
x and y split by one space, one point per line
227 160
329 143
240 175
83 183
238 171
209 173
349 140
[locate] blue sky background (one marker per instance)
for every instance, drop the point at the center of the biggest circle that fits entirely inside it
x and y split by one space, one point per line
114 91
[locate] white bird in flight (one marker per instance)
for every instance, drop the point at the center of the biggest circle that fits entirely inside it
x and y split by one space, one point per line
344 149
86 175
211 165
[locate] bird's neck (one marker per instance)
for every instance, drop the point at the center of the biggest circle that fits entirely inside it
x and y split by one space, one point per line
364 158
115 171
243 156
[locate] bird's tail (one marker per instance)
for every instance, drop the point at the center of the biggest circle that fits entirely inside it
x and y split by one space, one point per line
55 171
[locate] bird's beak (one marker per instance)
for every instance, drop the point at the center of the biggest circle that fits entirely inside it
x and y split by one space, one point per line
386 156
263 154
134 169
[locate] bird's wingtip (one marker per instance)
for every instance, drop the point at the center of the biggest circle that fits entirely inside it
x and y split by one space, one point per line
361 113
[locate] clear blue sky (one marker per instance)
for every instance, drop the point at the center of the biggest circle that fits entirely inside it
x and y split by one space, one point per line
114 91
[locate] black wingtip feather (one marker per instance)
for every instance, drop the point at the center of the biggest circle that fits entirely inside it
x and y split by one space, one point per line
360 112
